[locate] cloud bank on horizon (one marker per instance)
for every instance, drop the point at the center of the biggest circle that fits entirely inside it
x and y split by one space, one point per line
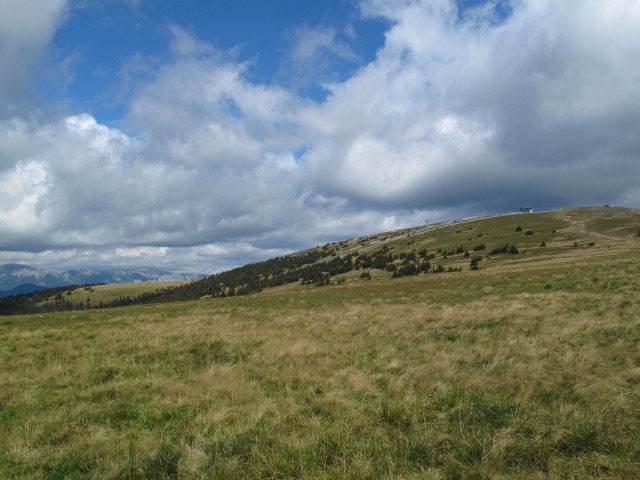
461 109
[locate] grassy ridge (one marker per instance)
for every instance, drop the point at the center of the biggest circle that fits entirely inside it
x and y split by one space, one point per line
544 234
112 291
528 368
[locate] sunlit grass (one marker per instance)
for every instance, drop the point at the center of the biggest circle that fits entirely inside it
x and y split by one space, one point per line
528 368
113 291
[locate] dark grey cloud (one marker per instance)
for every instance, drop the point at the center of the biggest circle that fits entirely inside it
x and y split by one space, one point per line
534 108
453 116
26 28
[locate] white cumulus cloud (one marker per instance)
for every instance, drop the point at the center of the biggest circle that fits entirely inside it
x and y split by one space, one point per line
458 112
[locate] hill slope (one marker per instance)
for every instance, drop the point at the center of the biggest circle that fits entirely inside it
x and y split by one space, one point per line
430 249
525 368
441 248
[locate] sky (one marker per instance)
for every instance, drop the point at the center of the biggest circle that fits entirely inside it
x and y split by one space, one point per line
201 135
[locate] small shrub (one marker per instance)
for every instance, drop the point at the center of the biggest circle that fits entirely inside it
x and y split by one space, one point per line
592 244
323 282
518 228
513 250
501 249
542 244
529 232
575 243
479 247
365 275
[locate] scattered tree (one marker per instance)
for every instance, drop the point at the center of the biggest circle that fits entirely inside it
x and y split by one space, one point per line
474 262
501 249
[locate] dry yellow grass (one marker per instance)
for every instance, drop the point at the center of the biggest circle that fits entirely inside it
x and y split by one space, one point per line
525 369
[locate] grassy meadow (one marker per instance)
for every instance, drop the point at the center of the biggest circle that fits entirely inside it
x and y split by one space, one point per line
113 291
527 368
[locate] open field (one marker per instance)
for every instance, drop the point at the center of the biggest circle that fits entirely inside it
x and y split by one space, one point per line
527 368
112 291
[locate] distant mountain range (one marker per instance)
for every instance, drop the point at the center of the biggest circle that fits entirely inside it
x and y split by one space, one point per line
16 278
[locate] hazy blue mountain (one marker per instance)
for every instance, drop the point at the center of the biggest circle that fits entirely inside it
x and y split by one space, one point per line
25 288
13 275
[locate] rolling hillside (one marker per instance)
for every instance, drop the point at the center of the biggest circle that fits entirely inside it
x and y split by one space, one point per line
525 368
447 247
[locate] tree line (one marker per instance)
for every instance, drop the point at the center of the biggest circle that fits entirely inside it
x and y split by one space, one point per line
312 267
